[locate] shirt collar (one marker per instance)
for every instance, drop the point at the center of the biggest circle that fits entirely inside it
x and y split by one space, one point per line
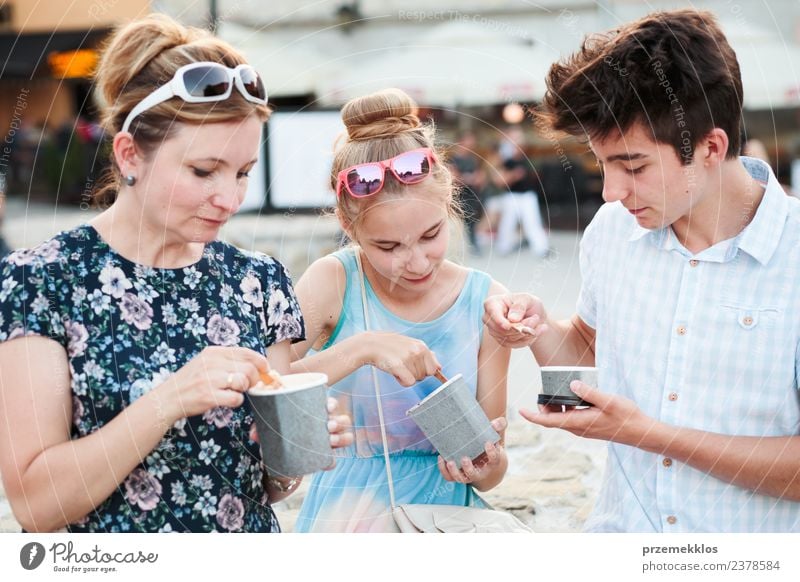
639 232
760 238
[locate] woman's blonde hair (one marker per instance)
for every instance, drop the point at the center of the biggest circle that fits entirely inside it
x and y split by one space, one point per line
380 126
144 55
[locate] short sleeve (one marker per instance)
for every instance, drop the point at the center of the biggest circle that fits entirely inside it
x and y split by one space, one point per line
587 299
284 320
31 298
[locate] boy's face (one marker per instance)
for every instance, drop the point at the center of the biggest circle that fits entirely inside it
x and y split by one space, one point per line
647 177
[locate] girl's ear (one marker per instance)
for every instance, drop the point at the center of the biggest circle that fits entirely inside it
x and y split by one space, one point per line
345 223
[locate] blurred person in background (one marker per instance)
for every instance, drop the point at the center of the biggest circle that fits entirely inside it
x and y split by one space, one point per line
470 175
755 148
4 248
520 203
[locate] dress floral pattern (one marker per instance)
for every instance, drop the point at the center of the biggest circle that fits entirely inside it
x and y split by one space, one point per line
126 328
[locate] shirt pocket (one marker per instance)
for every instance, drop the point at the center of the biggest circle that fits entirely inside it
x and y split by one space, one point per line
751 317
752 367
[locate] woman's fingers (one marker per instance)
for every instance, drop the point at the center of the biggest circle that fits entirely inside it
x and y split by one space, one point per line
236 381
339 428
229 399
246 355
248 364
340 422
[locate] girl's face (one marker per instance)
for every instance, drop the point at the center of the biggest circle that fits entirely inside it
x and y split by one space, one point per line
405 239
196 180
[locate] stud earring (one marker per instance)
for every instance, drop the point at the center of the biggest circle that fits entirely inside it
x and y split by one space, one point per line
130 180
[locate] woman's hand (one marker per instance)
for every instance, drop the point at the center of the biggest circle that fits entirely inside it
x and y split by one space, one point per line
341 435
409 360
218 376
490 462
339 426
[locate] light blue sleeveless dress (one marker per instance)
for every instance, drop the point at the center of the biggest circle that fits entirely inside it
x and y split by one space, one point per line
354 496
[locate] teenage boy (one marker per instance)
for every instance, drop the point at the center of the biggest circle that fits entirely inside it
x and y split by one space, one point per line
689 304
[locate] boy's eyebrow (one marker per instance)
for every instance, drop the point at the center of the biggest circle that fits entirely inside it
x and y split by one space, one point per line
394 242
626 157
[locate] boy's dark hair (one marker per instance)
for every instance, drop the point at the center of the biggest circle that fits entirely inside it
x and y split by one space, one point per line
674 72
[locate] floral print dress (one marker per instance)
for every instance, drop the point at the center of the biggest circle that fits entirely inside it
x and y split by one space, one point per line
125 328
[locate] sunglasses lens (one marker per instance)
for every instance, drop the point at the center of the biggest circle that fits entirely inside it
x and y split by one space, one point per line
364 180
411 167
206 81
253 84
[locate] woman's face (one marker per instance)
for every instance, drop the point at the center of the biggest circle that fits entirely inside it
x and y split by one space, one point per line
405 239
195 181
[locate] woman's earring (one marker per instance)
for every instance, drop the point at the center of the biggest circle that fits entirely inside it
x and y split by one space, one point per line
130 180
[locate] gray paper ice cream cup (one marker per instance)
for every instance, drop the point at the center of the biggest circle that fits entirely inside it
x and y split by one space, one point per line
454 422
292 425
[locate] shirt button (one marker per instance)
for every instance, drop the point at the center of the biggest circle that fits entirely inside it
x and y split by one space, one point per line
673 396
748 320
672 520
681 330
667 462
694 262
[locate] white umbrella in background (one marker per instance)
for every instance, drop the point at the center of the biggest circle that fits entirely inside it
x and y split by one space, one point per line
770 67
455 64
288 68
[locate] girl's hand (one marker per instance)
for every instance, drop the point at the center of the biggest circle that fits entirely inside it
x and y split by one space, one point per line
471 471
409 360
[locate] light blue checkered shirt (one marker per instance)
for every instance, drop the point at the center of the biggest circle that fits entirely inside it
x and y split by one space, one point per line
708 341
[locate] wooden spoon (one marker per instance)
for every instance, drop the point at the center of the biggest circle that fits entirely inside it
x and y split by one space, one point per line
272 380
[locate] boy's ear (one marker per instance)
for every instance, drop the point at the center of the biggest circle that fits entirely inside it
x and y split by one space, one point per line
713 148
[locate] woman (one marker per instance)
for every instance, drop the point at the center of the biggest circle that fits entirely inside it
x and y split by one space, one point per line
395 199
128 342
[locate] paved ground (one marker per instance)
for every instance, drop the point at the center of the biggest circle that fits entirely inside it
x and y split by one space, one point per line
553 477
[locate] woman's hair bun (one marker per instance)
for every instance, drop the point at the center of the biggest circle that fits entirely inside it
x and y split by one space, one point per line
132 49
382 114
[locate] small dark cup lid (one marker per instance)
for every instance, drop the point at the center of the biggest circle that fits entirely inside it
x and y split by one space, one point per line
563 400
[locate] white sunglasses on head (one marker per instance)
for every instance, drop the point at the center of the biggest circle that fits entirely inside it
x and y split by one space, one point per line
204 82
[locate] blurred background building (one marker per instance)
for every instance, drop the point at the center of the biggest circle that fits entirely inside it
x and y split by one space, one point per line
48 52
475 66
